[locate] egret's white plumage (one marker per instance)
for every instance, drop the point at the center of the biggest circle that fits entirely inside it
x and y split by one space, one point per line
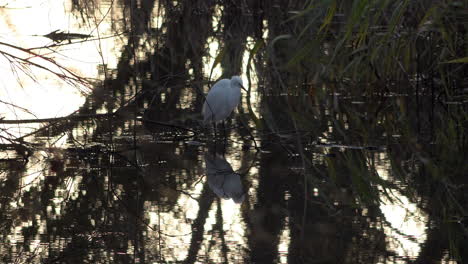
222 98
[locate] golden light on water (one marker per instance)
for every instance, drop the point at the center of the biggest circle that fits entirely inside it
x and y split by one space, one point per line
407 231
284 241
177 231
233 227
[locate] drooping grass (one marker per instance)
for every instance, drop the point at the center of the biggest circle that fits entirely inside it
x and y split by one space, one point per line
381 41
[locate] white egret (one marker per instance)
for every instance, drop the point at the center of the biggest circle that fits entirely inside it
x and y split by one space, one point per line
222 98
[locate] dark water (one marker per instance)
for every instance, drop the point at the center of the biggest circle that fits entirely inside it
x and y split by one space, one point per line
304 172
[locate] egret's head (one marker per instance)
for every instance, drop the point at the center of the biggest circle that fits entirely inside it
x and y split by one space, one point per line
236 80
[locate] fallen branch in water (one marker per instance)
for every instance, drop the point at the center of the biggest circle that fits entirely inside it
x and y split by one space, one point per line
55 119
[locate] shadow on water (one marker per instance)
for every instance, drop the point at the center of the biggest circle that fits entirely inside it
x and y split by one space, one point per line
346 170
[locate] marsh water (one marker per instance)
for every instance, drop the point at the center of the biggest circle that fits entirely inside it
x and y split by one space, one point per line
111 163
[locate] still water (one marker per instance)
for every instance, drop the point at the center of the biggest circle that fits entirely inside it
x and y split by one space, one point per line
110 163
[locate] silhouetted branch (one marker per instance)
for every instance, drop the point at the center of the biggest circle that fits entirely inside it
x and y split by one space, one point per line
62 72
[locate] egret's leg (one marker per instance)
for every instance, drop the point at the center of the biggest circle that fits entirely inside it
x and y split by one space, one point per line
223 147
225 141
224 130
214 129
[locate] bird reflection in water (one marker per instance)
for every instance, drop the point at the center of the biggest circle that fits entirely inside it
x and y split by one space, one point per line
222 179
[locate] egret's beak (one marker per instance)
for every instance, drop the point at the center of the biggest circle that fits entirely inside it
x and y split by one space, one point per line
243 88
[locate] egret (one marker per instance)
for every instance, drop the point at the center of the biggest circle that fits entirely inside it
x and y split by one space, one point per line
222 98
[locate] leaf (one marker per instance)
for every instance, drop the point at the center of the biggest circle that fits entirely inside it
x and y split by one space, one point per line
328 18
358 11
258 45
331 169
280 37
217 60
459 60
301 13
310 23
358 50
426 17
397 15
303 53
